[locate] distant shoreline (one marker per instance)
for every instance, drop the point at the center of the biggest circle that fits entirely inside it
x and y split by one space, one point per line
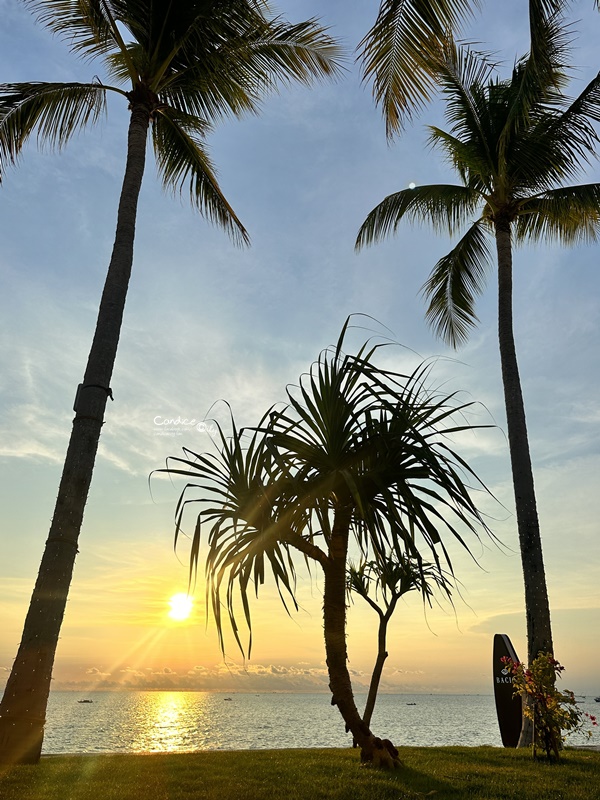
84 691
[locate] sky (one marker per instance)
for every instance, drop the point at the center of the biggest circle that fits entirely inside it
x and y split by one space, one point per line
208 322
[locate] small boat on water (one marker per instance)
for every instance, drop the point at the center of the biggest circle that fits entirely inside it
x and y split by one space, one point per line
597 699
85 701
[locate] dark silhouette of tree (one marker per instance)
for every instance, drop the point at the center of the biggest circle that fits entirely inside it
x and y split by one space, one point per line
359 456
381 582
515 145
180 67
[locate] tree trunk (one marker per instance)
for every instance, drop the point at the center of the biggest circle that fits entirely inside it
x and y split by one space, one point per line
379 752
23 706
378 668
537 608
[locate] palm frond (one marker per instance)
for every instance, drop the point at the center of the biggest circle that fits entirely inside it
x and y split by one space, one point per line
222 65
390 576
390 467
453 284
550 42
242 521
399 52
284 52
538 79
55 111
443 206
86 25
182 161
200 93
126 65
462 71
569 215
560 144
546 157
255 58
473 163
587 104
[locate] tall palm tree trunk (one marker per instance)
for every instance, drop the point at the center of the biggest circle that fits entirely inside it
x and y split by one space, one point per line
537 608
23 706
334 619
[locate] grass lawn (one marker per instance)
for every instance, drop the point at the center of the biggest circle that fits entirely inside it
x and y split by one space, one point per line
483 773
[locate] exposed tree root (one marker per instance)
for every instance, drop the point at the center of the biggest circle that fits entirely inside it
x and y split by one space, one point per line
380 753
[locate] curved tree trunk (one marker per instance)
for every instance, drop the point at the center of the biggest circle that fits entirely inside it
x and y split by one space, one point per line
537 608
23 706
380 753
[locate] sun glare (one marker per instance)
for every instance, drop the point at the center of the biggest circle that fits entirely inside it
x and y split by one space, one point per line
181 606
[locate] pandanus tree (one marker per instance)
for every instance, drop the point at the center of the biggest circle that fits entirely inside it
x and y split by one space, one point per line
382 582
515 144
360 459
180 66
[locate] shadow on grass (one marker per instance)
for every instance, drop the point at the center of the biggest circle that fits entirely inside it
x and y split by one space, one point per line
510 758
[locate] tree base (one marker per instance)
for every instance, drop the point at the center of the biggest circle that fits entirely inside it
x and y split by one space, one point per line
527 734
380 753
20 740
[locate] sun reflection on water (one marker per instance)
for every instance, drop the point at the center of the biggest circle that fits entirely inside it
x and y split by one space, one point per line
169 721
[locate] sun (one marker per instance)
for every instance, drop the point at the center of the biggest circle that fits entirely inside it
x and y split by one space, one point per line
181 606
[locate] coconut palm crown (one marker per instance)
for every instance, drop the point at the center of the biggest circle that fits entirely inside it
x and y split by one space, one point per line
359 460
516 144
180 65
187 64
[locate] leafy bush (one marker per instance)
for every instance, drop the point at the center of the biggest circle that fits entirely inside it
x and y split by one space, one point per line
552 711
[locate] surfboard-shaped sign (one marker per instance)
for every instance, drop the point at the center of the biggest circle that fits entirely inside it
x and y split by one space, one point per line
508 707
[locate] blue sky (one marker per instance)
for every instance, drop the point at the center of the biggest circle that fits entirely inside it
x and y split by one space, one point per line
206 321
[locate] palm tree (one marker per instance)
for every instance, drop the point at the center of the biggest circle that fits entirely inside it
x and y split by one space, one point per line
381 583
515 144
185 66
359 457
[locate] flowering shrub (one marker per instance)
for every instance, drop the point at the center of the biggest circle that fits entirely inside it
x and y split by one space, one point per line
552 711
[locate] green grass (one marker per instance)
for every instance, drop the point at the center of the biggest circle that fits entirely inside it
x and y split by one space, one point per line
480 773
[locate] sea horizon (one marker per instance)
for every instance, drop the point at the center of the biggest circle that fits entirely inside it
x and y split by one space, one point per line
130 721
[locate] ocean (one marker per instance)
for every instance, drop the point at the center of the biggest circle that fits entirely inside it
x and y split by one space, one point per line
153 722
